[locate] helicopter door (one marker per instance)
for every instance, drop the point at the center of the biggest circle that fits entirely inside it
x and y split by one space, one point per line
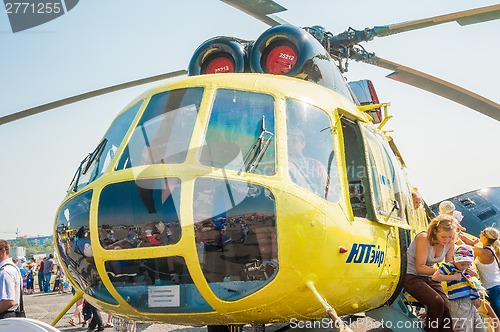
390 192
356 170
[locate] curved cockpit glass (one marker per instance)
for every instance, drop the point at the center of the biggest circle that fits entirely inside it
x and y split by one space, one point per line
156 285
96 163
163 133
240 134
75 247
236 236
140 213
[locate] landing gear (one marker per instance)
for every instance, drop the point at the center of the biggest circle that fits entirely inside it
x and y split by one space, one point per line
235 328
224 328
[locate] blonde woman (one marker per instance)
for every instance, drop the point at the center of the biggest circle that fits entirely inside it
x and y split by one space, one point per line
428 248
488 265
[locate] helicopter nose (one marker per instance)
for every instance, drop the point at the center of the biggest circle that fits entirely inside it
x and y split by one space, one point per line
144 239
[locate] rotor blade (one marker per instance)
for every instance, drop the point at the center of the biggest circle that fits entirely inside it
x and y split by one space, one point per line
87 95
465 17
438 86
262 10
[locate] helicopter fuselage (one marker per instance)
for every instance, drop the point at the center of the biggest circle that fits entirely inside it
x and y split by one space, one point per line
195 208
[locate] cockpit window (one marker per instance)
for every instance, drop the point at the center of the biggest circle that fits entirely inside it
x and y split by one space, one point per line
96 163
240 133
387 177
140 213
163 134
236 236
311 155
74 246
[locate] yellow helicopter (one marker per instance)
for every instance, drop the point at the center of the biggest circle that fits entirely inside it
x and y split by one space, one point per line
257 190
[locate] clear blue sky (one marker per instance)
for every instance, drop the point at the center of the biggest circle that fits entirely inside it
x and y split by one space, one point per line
448 148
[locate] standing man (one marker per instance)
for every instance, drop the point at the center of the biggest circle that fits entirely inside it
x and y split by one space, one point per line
10 283
41 279
47 272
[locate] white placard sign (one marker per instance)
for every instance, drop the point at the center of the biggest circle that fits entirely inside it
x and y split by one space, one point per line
164 296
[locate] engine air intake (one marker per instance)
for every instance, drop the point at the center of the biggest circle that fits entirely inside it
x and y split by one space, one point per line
219 55
280 59
292 51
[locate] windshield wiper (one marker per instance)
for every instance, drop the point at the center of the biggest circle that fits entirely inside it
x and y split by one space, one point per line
95 154
256 153
85 165
76 178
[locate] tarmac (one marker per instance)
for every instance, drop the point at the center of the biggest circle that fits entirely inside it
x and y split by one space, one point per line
46 306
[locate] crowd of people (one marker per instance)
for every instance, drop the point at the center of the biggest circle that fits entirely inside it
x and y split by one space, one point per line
444 255
41 274
19 277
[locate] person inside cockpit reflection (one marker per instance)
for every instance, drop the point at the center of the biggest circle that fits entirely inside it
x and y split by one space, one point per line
85 264
82 244
307 172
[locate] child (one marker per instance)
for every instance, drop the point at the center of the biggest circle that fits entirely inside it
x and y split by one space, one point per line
462 293
448 208
490 319
86 312
30 279
59 281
